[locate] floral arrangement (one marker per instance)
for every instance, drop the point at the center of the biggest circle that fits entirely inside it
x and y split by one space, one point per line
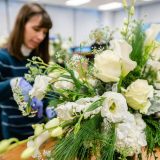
107 110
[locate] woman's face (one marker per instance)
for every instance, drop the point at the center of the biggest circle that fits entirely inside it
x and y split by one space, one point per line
33 34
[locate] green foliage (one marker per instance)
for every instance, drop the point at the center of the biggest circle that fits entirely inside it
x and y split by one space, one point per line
152 133
138 54
36 67
89 141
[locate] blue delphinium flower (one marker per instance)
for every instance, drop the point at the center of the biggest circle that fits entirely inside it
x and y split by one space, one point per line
25 88
50 112
37 104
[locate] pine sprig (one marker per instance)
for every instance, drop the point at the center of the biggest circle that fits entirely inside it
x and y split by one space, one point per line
152 134
88 142
137 54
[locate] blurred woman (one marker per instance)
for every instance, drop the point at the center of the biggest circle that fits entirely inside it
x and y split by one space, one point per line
29 37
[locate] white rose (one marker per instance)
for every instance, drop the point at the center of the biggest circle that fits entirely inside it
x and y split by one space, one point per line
137 95
107 66
152 32
39 87
122 49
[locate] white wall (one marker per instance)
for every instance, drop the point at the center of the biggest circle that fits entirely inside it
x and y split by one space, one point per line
150 13
107 18
68 22
76 23
3 19
63 21
85 21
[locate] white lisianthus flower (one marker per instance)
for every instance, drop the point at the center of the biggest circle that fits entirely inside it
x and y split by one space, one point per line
114 107
122 49
138 94
151 33
40 86
107 66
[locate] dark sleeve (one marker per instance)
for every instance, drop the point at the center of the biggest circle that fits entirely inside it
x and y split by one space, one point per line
5 77
5 90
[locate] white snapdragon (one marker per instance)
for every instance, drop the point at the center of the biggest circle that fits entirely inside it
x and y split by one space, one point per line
138 94
114 107
40 86
63 83
65 111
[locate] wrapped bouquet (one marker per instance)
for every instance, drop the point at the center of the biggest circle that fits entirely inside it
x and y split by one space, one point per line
108 109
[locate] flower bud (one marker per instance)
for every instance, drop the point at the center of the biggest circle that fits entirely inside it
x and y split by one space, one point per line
132 10
124 3
41 139
57 132
4 144
27 153
38 129
52 123
126 21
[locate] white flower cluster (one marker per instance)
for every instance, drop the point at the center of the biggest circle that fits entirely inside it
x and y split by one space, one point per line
130 135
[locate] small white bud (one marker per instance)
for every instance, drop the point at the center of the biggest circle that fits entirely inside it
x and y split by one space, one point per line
27 153
52 123
57 132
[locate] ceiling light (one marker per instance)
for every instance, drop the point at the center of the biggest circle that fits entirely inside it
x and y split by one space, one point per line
110 6
76 2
